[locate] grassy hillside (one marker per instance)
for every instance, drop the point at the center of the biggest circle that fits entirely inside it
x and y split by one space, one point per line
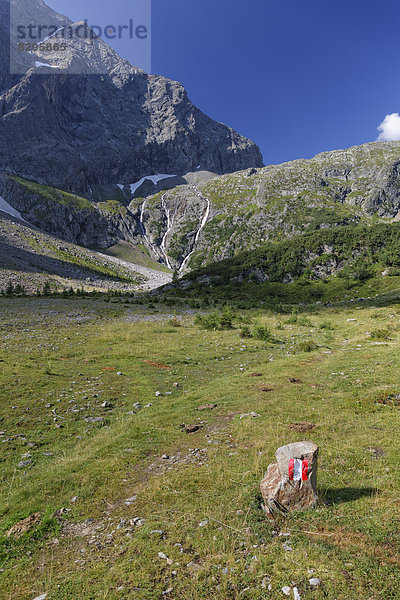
359 185
138 255
326 265
52 194
124 504
32 258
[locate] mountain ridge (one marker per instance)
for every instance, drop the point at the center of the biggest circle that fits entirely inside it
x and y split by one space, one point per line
194 220
117 125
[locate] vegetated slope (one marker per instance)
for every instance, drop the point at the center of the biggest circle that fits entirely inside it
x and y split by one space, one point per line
359 249
30 258
325 265
202 218
361 184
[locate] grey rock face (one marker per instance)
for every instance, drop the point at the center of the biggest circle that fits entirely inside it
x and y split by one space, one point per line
291 483
15 13
76 131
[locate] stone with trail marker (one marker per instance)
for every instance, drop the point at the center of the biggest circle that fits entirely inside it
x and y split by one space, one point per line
291 482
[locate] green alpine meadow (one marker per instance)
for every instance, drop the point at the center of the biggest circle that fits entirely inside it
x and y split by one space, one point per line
134 437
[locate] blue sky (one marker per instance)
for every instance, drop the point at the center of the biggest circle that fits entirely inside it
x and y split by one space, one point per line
296 77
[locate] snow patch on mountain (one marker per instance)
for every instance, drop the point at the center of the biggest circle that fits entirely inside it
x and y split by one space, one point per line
153 178
42 64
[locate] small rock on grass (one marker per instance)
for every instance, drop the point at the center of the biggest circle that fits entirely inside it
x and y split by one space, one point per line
130 501
165 557
41 597
287 548
190 428
206 407
203 523
250 414
266 583
93 419
286 590
315 581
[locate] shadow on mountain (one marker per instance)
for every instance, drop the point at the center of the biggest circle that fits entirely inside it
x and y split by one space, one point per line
24 261
347 494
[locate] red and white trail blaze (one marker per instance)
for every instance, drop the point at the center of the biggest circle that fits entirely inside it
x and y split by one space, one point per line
298 469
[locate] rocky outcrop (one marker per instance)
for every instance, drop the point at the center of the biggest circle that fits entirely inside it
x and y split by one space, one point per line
71 218
291 483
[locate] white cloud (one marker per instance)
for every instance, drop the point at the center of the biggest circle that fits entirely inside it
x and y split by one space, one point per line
390 128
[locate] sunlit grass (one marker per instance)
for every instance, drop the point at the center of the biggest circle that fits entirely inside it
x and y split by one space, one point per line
351 541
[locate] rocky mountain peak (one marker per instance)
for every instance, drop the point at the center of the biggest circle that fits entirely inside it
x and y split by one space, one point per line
83 116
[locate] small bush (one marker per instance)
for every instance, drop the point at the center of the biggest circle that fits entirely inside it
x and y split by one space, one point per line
380 334
304 321
262 332
308 346
209 321
326 325
245 332
292 320
245 318
226 318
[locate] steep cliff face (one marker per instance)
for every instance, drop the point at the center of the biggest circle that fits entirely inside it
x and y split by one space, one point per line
12 14
113 125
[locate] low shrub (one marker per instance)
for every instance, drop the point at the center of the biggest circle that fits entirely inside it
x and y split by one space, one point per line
263 333
304 321
216 320
245 332
326 325
380 334
308 346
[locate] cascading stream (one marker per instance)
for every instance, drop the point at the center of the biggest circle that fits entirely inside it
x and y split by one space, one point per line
170 224
202 225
